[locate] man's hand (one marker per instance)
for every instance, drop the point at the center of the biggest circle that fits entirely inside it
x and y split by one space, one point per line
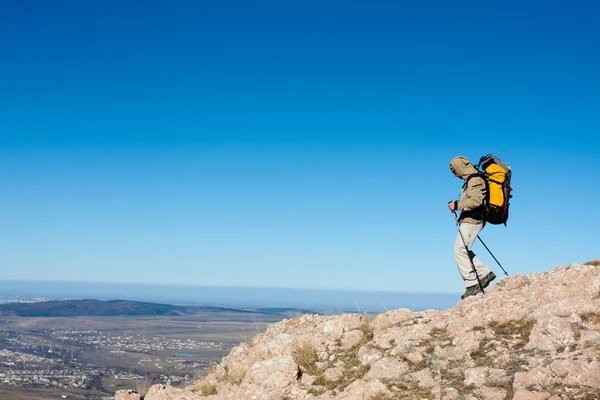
452 206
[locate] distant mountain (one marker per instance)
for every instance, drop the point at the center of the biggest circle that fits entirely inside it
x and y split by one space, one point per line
113 308
76 308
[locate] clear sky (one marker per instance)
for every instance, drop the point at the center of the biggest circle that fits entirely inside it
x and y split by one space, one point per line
291 144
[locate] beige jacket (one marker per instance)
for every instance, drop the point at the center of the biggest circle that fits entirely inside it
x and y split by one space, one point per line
472 196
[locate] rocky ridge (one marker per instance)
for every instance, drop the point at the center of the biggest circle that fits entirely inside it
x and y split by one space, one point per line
530 337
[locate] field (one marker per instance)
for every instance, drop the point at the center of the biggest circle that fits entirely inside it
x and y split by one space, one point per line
19 393
92 357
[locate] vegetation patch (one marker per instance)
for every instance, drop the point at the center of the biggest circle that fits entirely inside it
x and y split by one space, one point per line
327 384
404 391
305 355
430 348
415 365
204 388
595 263
458 382
142 387
508 386
592 319
237 378
394 384
513 366
577 328
380 396
367 330
519 329
353 370
592 395
573 392
480 357
439 334
315 390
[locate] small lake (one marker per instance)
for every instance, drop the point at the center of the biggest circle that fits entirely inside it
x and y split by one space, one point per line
183 355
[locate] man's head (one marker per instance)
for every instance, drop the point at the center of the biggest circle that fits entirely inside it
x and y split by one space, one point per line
461 167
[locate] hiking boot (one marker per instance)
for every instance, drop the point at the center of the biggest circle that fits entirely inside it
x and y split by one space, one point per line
486 280
471 291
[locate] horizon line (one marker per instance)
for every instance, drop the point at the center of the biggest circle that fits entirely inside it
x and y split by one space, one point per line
222 286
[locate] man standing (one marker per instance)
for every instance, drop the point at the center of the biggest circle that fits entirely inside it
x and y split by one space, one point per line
472 208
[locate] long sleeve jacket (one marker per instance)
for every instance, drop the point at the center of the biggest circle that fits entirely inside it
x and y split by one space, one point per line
472 196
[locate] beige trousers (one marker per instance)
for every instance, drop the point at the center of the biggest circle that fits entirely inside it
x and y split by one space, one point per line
463 259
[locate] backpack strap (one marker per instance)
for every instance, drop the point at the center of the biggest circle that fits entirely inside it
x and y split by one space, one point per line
473 176
479 212
478 174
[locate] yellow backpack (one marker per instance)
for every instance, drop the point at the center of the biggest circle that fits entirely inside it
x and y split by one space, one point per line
497 176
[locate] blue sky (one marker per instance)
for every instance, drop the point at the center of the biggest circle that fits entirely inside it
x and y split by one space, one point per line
291 144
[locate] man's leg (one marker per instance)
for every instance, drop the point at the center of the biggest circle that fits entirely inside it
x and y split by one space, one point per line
463 259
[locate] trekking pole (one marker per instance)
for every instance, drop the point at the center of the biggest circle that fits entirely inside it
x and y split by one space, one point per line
505 273
468 254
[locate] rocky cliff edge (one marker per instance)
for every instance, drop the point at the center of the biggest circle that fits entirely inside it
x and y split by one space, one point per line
530 337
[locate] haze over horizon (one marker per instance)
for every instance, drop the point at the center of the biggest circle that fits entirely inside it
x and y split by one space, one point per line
291 145
254 297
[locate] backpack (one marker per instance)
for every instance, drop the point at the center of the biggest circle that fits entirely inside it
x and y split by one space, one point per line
497 176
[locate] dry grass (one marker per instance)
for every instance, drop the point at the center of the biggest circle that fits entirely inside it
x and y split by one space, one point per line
513 366
142 386
315 391
454 377
415 365
508 386
404 390
595 263
591 319
439 334
380 396
575 393
555 389
430 348
236 378
480 357
366 329
353 370
577 328
252 332
593 395
327 384
204 388
520 329
305 355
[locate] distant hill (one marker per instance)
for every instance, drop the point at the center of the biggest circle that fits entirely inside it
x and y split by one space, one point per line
75 308
114 308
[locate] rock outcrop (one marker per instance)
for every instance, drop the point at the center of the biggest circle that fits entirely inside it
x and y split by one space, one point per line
529 337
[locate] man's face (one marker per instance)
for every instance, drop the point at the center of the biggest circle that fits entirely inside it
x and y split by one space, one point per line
454 172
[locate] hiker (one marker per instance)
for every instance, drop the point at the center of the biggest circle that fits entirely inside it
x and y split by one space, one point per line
472 209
